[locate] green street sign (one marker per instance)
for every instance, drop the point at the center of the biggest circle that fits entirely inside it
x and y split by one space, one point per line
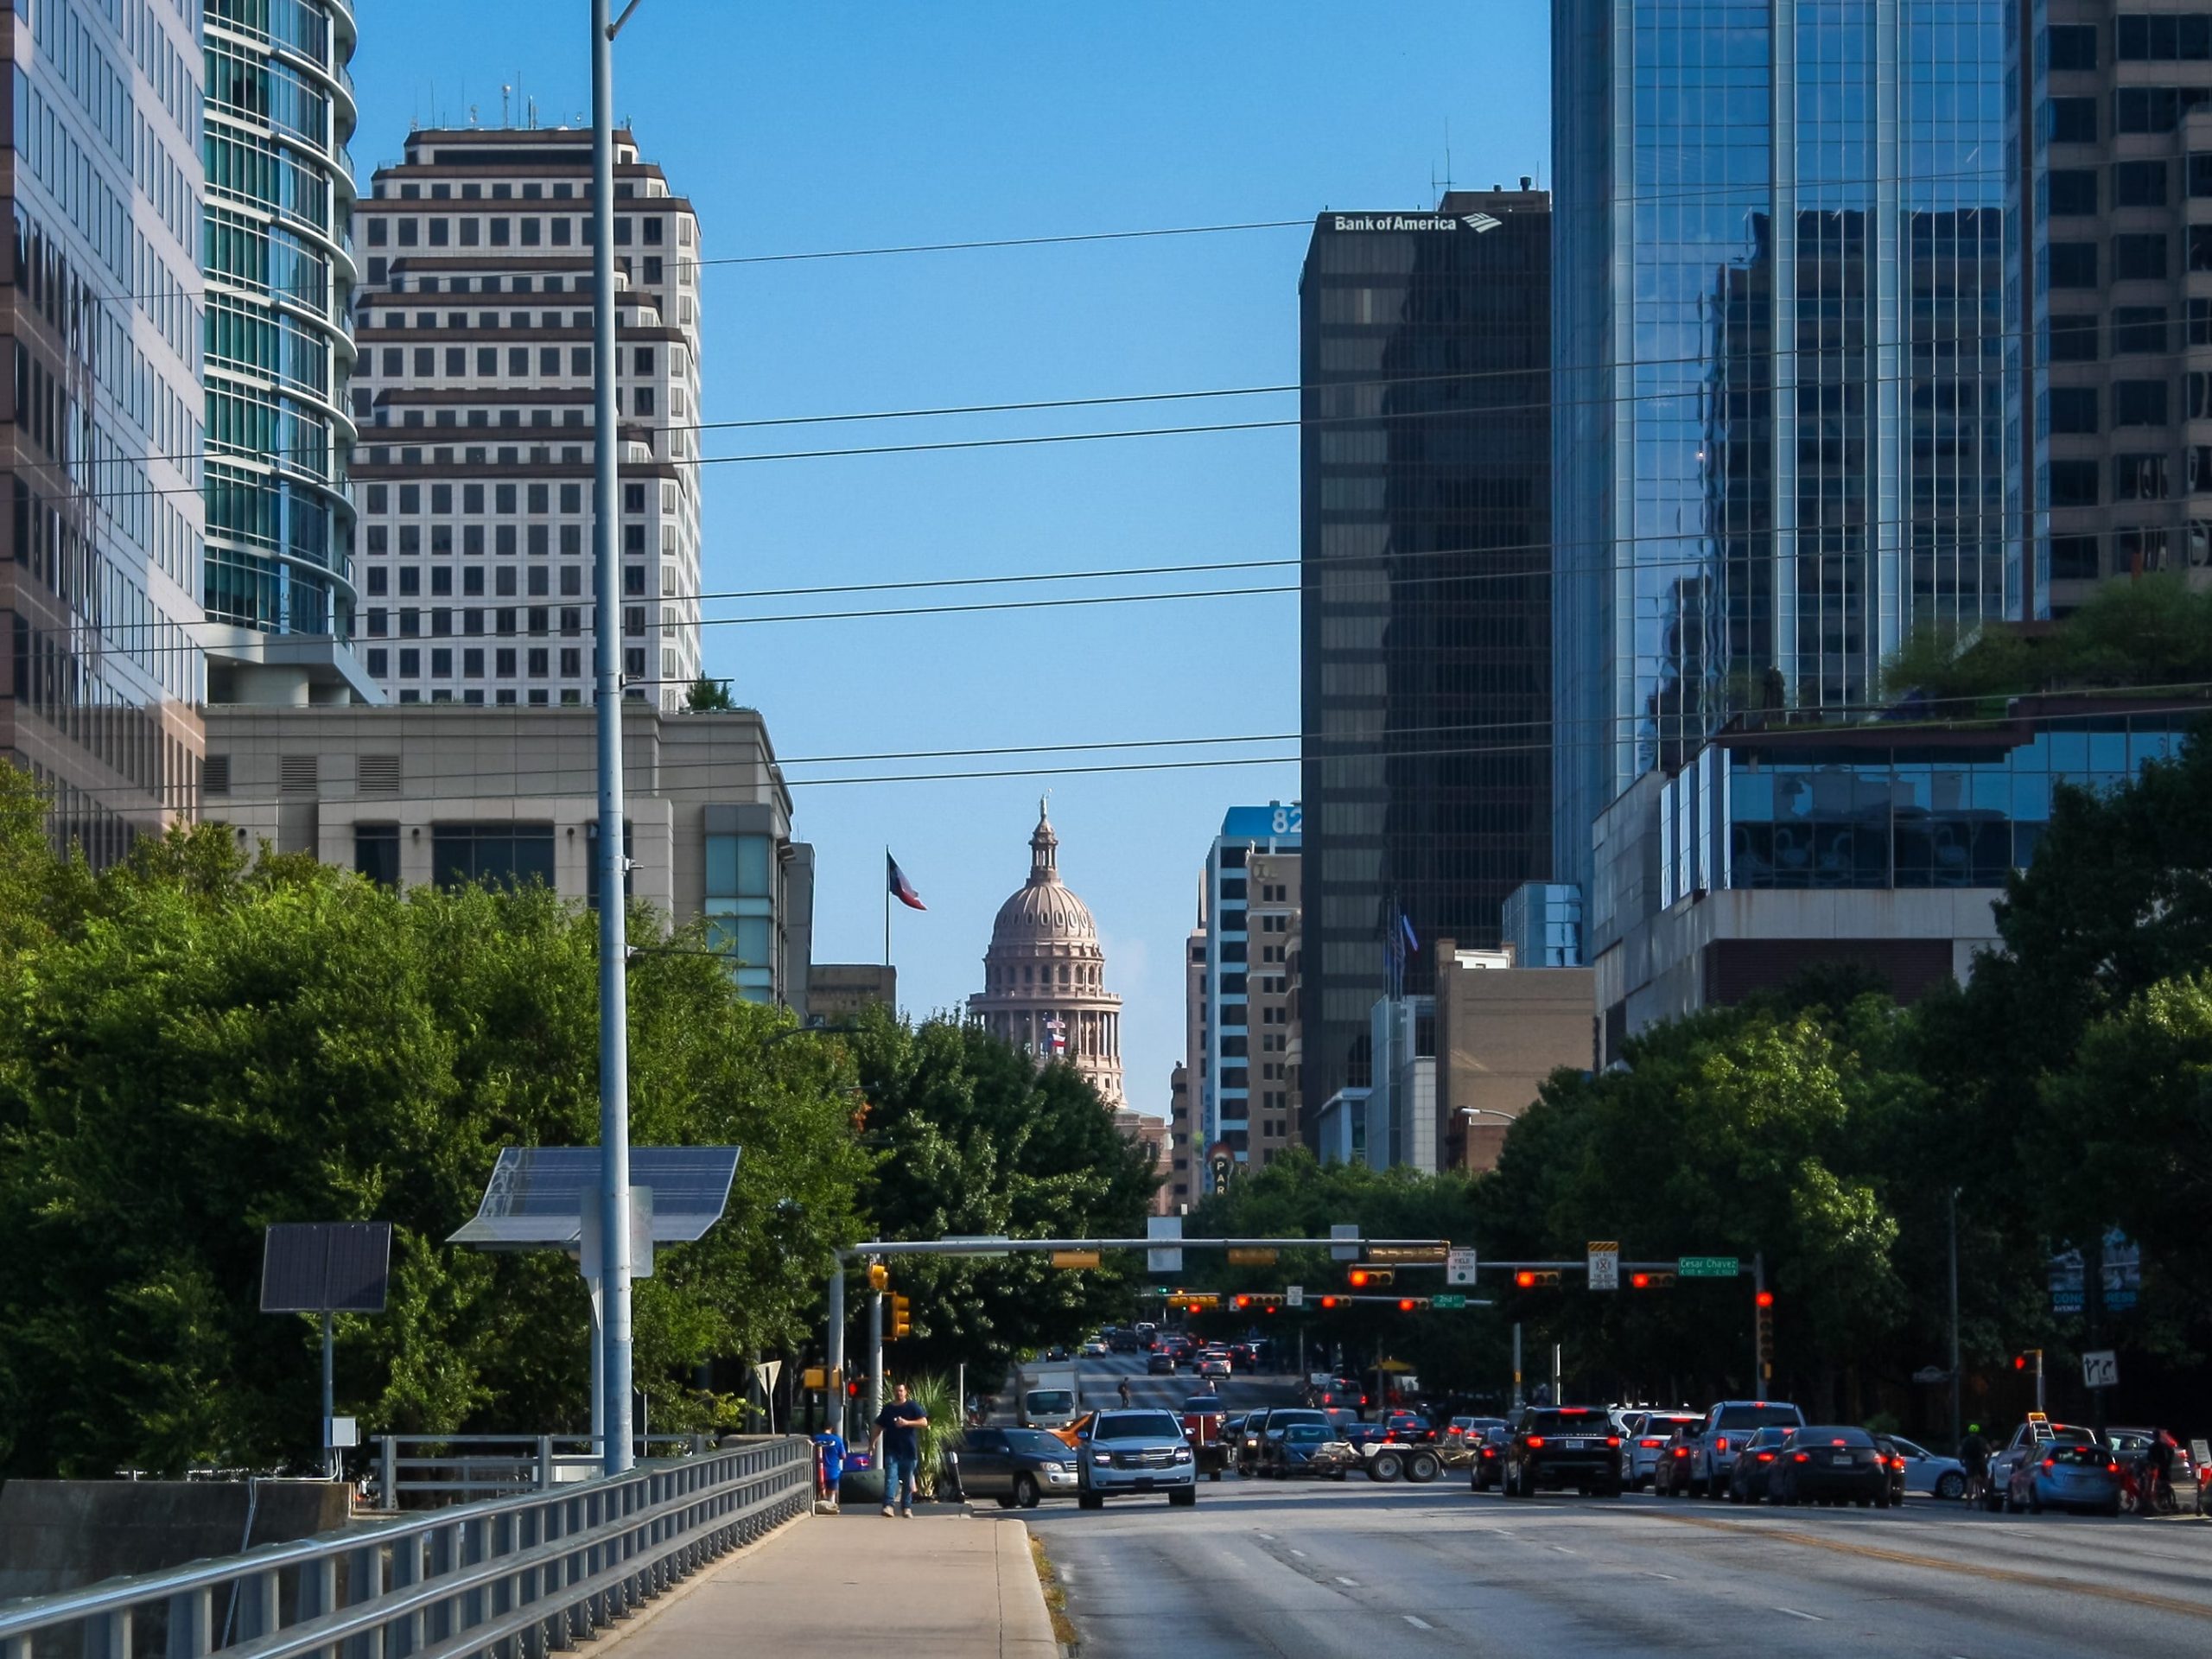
1447 1301
1708 1267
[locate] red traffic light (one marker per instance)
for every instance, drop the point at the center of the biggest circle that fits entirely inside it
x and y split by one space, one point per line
1328 1301
1525 1279
1243 1302
1639 1282
2019 1362
1405 1304
1763 1298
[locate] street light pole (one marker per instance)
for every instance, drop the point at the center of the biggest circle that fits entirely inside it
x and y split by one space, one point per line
614 946
1956 1410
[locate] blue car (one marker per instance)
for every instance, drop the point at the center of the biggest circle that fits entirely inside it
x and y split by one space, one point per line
2065 1475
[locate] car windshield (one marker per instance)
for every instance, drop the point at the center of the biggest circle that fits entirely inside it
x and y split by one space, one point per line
1136 1426
1203 1402
1836 1435
1303 1432
1035 1443
1907 1448
1050 1402
1769 1437
1759 1416
1569 1419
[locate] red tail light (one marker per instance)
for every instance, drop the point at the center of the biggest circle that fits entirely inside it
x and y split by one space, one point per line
1648 1445
1800 1457
1535 1439
2050 1464
1613 1440
2113 1467
1766 1457
1720 1445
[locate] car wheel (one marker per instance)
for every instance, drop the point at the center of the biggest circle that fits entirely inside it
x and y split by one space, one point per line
1006 1502
1423 1467
2112 1509
1186 1498
1088 1501
1612 1489
1735 1493
1025 1493
1384 1467
1951 1486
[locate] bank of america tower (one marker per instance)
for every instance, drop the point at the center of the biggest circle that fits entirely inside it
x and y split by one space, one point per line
1778 362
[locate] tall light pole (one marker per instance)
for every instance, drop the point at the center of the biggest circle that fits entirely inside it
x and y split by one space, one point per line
607 635
1956 1408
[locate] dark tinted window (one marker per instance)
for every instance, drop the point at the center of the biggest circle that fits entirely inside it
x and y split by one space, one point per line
2070 46
1834 1434
2139 184
986 1439
2073 1451
2073 265
1568 1420
503 855
1035 1443
2070 192
2073 409
1759 1416
2070 120
2074 339
2073 558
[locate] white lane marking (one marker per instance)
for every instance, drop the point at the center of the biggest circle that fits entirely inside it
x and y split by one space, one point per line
1299 1554
1269 1537
1561 1549
1811 1618
1418 1624
1670 1577
1349 1583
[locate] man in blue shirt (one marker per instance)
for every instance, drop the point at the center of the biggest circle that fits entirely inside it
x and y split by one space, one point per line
895 1427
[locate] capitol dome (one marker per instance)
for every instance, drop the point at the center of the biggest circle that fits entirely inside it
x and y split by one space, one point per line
1043 975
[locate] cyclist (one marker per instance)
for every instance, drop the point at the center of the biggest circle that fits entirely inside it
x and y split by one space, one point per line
2157 1477
1974 1454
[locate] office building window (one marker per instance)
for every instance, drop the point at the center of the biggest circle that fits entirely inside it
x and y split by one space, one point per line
2073 265
2073 558
2138 184
2167 38
741 909
2139 478
376 853
505 855
2073 410
2137 258
2070 120
2073 483
2069 192
2074 339
2139 328
2070 46
2138 403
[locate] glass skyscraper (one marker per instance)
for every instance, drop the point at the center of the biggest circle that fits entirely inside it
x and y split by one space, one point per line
1778 362
281 274
1425 533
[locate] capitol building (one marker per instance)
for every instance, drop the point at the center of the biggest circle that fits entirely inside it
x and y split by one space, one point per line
1045 977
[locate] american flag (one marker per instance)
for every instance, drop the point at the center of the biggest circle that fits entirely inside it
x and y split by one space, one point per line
1056 1039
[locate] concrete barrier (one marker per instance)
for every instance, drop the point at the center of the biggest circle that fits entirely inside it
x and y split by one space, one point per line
64 1535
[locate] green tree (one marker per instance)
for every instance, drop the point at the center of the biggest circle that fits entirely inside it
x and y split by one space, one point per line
193 1049
704 695
971 1136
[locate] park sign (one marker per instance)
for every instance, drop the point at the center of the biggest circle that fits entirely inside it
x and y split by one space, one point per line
1708 1267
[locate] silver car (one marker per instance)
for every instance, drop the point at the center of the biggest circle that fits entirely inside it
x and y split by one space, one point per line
1124 1454
1931 1473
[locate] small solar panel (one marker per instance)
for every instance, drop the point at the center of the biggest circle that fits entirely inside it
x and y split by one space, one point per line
318 1266
537 1195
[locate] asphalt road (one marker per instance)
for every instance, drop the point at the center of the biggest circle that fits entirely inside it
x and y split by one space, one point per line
1376 1572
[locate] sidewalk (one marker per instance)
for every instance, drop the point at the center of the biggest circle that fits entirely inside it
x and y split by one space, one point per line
943 1584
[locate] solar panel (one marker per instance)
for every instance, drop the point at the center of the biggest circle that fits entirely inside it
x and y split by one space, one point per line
317 1267
537 1195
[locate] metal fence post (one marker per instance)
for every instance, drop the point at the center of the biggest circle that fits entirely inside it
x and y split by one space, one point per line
191 1624
387 1472
545 1462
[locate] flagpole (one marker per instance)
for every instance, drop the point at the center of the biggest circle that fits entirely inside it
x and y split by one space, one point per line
886 908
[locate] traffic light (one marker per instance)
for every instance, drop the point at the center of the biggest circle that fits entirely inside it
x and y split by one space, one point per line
1764 1300
2027 1362
1243 1302
1527 1280
1329 1301
900 1324
879 1276
1405 1304
1371 1278
1652 1281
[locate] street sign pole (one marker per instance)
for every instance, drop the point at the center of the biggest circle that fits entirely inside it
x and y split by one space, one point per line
1516 1365
1758 1284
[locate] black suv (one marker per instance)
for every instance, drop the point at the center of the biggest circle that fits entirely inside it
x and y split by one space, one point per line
1258 1423
1561 1446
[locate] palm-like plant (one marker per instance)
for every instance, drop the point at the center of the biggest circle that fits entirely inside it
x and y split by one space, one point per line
934 1394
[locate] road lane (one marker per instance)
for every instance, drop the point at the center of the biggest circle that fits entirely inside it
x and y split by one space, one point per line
1263 1569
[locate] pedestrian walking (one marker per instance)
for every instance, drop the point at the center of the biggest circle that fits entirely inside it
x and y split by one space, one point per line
1974 1454
896 1429
1125 1391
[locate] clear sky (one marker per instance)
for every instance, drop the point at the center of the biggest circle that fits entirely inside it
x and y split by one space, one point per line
803 127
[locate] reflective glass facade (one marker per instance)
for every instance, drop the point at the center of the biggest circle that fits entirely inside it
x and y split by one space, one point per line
1946 810
1778 361
1425 609
280 279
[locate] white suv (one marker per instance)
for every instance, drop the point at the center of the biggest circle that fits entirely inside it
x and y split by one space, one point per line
1122 1452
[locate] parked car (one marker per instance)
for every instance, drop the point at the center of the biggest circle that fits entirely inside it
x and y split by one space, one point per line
2064 1475
1829 1463
2028 1440
1727 1426
1561 1446
1020 1467
1747 1480
1670 1475
1489 1464
1126 1453
1305 1449
1645 1437
1930 1473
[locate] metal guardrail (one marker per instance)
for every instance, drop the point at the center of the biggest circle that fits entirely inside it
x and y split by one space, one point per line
491 1465
514 1577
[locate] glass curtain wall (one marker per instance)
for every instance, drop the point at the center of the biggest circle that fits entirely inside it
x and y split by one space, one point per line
1779 308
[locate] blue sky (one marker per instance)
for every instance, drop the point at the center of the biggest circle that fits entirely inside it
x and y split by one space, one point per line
800 127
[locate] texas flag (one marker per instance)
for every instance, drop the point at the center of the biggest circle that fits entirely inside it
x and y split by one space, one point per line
901 888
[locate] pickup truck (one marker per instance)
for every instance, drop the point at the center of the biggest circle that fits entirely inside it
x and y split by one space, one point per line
1204 1419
